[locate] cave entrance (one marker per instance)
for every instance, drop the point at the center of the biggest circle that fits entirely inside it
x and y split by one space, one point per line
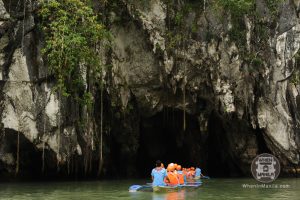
29 157
162 138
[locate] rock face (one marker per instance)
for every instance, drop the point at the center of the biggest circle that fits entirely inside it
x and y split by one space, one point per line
233 98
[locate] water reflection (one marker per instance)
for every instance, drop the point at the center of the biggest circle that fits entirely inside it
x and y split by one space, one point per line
176 195
225 189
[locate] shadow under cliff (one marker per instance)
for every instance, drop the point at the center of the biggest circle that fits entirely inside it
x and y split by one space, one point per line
163 137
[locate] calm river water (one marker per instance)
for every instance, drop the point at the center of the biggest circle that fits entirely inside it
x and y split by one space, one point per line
106 190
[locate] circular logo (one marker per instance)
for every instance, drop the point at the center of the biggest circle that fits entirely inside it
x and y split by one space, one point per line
265 168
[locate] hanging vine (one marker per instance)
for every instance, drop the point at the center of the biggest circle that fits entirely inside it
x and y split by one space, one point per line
101 129
18 154
20 120
72 32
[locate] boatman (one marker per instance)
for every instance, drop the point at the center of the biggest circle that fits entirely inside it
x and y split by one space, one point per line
198 173
158 174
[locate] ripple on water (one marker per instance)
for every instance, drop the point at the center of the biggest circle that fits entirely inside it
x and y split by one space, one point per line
118 190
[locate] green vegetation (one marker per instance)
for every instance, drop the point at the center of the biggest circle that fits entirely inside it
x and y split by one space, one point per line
73 35
254 61
237 9
295 78
178 23
173 39
72 32
273 6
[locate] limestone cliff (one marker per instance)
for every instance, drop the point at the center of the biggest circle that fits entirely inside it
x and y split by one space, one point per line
232 85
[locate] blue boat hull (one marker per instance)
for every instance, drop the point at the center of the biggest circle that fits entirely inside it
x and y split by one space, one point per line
148 187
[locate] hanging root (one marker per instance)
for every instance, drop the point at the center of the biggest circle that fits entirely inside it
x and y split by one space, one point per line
184 112
101 131
18 154
43 158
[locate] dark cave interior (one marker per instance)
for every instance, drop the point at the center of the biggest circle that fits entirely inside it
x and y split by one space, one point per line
162 138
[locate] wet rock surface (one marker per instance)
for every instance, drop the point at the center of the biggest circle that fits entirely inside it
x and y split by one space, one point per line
240 99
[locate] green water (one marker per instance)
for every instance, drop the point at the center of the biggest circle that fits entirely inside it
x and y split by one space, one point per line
106 190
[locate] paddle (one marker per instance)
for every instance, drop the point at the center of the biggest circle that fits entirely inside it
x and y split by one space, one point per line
190 185
135 188
193 183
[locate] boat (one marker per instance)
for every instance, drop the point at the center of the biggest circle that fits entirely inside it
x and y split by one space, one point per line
165 188
196 179
149 187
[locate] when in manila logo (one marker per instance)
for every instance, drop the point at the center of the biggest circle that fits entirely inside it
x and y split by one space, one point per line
265 168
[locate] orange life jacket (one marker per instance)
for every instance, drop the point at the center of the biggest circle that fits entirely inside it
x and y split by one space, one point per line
181 178
173 178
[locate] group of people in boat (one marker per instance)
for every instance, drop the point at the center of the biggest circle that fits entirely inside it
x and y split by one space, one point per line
173 175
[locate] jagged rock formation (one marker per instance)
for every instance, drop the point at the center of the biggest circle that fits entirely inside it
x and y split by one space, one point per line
233 99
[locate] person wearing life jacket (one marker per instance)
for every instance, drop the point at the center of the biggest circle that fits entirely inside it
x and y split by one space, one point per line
172 178
189 173
175 166
184 170
181 176
158 175
193 172
198 173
